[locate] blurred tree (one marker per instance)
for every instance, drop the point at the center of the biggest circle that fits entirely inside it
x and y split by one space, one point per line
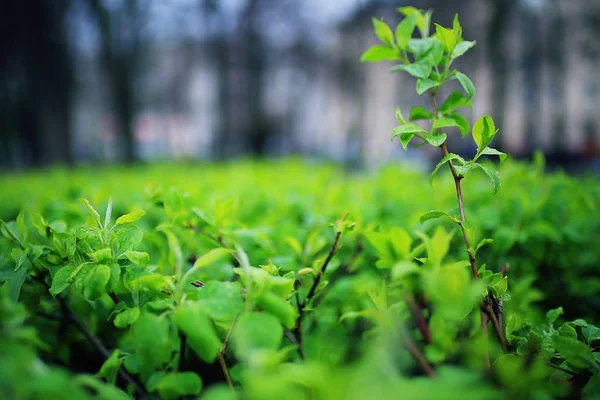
531 60
36 82
501 11
121 40
556 62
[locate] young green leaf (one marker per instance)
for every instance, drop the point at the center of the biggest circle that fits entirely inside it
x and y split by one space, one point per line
492 174
484 131
410 11
419 69
255 331
444 160
407 128
176 385
404 31
420 113
380 53
127 317
436 140
108 213
195 324
383 32
131 217
447 37
399 115
444 123
111 366
91 210
62 279
424 85
482 243
455 100
493 152
461 122
466 83
96 281
138 257
432 215
461 48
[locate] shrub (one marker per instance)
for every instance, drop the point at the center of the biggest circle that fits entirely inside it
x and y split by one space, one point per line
238 288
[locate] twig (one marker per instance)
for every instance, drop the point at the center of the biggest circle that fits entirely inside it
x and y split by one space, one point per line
218 239
95 340
487 308
221 355
70 316
320 274
418 357
418 315
556 367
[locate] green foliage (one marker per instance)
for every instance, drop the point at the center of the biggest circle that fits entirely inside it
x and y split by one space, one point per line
241 284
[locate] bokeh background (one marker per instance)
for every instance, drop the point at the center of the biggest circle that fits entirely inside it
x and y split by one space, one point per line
97 81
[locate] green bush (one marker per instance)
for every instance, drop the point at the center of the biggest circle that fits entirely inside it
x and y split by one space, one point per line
292 280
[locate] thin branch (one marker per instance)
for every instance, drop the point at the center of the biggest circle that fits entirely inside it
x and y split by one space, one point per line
221 355
487 308
419 358
95 340
556 367
461 208
320 274
217 239
69 315
418 315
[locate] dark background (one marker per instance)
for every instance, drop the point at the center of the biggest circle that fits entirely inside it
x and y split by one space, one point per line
96 81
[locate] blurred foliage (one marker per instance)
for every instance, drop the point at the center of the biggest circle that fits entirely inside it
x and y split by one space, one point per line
212 269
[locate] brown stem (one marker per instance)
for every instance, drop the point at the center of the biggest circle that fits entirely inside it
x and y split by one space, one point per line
419 358
487 308
221 355
317 280
461 208
418 316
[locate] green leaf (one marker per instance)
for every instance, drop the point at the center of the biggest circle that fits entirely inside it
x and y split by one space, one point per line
443 123
255 331
567 331
399 115
410 11
405 139
21 227
447 37
444 160
404 31
466 83
482 243
222 301
418 70
552 315
151 341
432 215
493 152
455 100
195 324
436 140
407 128
96 281
424 85
19 256
383 32
110 368
492 174
484 131
576 353
102 256
211 257
91 210
461 122
127 317
131 217
127 238
62 279
278 307
174 385
461 48
108 213
420 113
138 257
379 53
